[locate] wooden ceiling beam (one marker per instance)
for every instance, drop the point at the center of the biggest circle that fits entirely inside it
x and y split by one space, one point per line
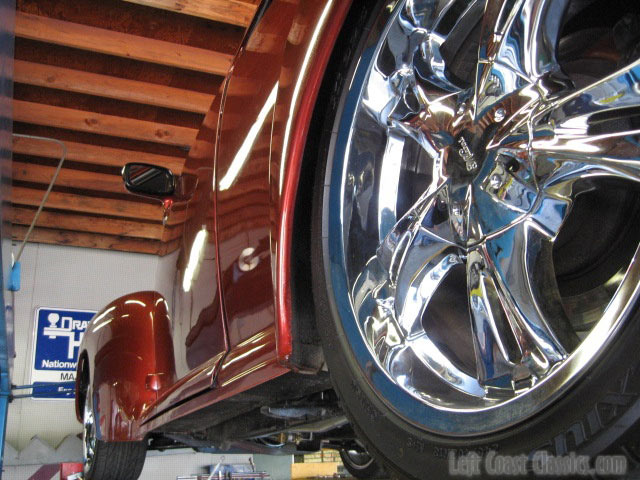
96 205
169 247
83 203
226 11
171 233
92 240
68 34
80 120
95 154
111 87
80 179
90 224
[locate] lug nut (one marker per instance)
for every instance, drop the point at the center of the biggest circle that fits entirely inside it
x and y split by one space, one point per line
456 210
499 114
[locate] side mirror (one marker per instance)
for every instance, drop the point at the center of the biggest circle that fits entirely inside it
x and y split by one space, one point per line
148 179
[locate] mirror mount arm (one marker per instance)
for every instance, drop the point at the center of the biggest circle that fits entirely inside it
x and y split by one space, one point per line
167 203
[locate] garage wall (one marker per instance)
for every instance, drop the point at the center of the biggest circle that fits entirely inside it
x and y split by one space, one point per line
65 277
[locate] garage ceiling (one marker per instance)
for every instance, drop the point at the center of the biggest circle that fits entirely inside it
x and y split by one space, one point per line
117 81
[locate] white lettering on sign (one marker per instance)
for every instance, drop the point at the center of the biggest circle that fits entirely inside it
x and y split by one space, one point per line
66 329
58 334
58 364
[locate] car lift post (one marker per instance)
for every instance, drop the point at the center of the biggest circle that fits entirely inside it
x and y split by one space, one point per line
5 381
7 22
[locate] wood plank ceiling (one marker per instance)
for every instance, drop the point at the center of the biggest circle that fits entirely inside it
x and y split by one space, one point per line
117 81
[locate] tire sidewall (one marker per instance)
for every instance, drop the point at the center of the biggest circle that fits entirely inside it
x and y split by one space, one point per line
88 403
591 418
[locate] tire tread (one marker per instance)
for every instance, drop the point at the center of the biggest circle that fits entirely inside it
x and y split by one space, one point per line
118 460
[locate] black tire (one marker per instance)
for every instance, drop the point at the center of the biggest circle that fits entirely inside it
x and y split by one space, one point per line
598 414
118 461
110 460
361 465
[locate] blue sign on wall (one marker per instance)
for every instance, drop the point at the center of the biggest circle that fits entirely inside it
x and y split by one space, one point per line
58 333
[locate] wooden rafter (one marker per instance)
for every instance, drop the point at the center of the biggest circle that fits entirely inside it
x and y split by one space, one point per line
92 240
90 224
80 120
110 87
79 179
100 40
81 203
95 154
77 202
226 11
115 92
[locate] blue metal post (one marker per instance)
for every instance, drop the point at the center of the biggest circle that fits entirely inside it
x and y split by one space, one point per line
7 26
5 380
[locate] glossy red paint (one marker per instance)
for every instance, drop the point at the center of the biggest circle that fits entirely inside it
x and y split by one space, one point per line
280 69
198 327
243 176
233 377
220 320
317 48
127 341
68 469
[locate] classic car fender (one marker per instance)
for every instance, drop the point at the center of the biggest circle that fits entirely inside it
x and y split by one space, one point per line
127 357
310 55
267 107
291 44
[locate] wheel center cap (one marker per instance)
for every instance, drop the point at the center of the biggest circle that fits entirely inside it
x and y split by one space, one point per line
466 155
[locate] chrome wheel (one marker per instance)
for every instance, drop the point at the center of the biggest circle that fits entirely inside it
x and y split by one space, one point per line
456 211
356 459
359 463
88 433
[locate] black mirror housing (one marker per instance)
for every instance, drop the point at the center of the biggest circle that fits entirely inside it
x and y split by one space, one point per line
151 180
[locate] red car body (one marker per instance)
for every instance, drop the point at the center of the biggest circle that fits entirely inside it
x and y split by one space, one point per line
148 366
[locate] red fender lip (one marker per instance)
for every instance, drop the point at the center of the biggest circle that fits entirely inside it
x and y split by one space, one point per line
125 342
300 122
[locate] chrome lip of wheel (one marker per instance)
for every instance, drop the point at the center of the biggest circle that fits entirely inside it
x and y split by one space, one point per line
356 458
88 433
493 206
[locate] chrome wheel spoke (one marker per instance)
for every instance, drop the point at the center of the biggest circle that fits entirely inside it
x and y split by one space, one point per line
403 84
493 360
409 91
417 286
567 159
516 59
394 289
416 261
504 195
521 261
463 216
430 355
419 230
592 132
423 19
596 103
389 184
423 116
